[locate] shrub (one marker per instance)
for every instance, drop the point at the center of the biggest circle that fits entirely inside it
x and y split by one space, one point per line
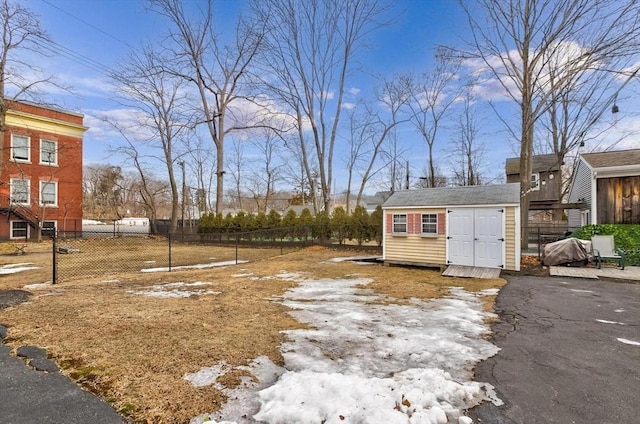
626 237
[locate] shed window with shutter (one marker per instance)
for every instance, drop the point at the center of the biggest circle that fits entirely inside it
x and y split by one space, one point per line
399 223
429 224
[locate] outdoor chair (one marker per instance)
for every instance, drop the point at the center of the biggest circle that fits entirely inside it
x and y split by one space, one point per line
604 249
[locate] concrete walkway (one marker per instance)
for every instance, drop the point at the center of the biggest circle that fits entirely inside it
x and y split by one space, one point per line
570 353
45 397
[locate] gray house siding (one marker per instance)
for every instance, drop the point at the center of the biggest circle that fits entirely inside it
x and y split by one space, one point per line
580 190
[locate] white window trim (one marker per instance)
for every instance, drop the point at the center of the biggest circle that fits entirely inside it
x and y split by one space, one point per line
28 202
393 224
428 234
45 229
13 158
55 151
55 193
535 177
12 237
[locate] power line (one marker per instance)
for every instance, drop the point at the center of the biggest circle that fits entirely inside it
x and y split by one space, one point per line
87 23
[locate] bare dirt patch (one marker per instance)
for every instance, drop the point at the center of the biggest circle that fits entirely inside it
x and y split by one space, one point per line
134 350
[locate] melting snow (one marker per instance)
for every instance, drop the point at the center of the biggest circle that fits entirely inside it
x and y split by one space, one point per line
367 361
629 342
178 290
197 266
15 268
604 321
38 286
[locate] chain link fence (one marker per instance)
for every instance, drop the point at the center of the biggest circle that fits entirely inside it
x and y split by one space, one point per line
105 254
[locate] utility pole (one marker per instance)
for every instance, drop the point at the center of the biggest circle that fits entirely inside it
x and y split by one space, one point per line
407 182
183 192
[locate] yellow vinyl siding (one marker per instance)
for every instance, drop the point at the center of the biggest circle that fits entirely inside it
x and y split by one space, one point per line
510 238
415 248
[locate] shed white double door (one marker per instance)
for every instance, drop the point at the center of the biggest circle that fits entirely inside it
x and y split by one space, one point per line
475 237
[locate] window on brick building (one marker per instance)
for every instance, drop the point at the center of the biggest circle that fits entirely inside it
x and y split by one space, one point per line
19 229
48 152
49 228
20 191
20 151
48 193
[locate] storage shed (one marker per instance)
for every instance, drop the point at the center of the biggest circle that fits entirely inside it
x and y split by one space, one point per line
476 226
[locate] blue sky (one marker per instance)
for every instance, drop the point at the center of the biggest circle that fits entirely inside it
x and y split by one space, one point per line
99 33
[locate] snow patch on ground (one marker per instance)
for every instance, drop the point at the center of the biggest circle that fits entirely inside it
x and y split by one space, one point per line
581 291
604 321
629 342
178 290
367 361
39 286
197 266
282 275
241 399
620 310
15 268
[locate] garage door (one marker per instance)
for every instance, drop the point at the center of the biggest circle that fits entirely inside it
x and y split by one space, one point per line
475 237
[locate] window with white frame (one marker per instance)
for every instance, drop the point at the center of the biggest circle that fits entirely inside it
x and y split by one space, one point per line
49 228
19 229
48 152
20 148
48 193
400 223
584 218
430 224
535 181
20 191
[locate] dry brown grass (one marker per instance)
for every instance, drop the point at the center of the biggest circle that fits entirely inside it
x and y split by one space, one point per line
134 350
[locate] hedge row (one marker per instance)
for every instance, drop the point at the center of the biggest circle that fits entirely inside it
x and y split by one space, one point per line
338 226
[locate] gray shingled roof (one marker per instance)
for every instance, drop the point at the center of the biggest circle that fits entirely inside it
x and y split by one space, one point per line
456 196
614 158
540 163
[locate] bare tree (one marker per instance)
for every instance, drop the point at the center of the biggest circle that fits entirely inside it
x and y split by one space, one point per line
203 166
308 58
266 172
21 32
516 39
215 70
468 153
574 111
235 163
433 95
158 119
102 190
371 128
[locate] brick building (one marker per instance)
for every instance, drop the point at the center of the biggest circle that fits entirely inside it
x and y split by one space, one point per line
41 173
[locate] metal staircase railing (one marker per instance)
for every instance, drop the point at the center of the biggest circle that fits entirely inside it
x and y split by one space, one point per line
9 207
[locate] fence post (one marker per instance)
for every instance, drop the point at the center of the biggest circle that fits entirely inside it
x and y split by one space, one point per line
237 242
54 243
169 243
539 245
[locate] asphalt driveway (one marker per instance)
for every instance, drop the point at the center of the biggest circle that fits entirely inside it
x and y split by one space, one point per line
570 353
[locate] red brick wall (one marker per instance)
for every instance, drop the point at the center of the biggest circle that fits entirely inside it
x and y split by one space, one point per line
68 172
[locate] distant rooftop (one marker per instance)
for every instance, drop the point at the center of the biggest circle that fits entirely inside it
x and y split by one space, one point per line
613 158
456 196
540 163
